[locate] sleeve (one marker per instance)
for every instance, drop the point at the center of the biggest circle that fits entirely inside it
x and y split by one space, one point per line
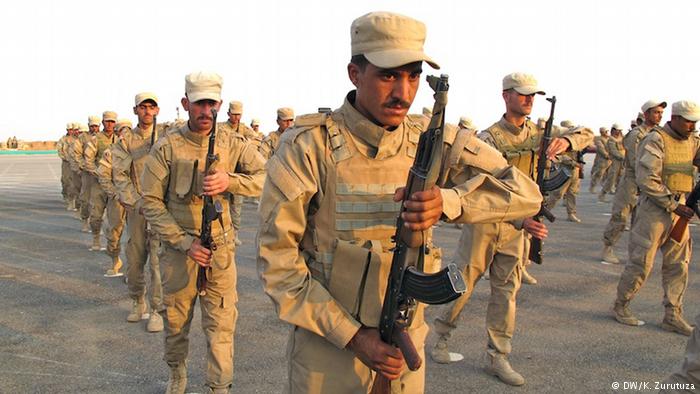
59 148
265 148
648 172
76 154
290 187
249 173
90 155
104 174
121 174
483 188
154 186
601 149
579 138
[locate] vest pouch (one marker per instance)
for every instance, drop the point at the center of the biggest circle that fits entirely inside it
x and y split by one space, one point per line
375 288
184 178
348 272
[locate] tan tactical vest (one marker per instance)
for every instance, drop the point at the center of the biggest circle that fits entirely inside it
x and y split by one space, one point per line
138 148
184 195
523 155
102 143
677 173
357 215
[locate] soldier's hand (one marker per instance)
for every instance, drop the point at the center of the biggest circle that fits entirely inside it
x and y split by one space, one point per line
556 146
684 211
215 183
199 253
374 353
535 228
423 209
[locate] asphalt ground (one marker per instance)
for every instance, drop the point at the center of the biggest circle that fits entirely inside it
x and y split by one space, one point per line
63 325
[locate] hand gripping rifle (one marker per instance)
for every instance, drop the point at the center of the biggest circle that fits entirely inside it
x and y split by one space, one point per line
211 210
557 178
407 283
682 223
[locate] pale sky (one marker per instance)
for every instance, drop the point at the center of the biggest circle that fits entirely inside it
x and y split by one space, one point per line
65 60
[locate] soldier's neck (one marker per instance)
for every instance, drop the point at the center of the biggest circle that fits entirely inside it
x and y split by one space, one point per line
515 119
145 127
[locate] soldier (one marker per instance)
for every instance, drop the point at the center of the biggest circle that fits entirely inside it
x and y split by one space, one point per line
602 159
687 378
255 125
616 150
61 147
285 119
116 214
626 193
128 160
172 195
93 153
85 178
234 125
466 123
664 174
502 248
327 205
73 160
573 160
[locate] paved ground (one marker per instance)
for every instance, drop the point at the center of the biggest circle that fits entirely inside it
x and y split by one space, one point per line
63 327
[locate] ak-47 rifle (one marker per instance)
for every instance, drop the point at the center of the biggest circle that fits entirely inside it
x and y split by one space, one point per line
407 283
211 210
682 223
557 178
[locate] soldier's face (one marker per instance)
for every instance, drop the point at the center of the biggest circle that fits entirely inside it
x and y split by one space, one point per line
518 104
654 115
284 124
384 95
201 119
682 125
256 127
234 118
146 111
94 128
109 125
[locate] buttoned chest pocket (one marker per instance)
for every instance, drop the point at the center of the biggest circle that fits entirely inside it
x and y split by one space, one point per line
186 181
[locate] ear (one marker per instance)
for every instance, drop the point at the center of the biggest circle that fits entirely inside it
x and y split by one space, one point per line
354 73
135 113
185 104
504 94
218 105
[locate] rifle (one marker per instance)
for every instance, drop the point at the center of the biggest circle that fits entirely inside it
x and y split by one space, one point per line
407 283
557 178
211 210
682 223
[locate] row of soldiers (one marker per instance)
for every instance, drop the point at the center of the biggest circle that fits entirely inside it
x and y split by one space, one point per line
330 190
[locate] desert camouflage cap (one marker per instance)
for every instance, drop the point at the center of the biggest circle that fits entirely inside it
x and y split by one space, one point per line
567 124
617 126
522 83
83 128
466 123
255 122
651 104
285 113
202 85
687 109
94 120
121 123
235 108
143 96
389 40
109 115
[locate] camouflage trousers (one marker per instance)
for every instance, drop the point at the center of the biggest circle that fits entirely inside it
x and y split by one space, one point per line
218 309
142 248
74 189
623 203
568 191
612 177
498 248
236 206
66 175
116 219
85 188
98 204
650 233
599 170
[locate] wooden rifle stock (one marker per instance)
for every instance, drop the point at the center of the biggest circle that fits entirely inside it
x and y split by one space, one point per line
679 228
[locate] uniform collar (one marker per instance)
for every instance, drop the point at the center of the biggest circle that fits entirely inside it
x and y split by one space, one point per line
673 133
196 138
511 128
378 141
143 133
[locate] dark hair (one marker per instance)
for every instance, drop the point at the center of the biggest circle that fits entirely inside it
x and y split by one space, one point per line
360 61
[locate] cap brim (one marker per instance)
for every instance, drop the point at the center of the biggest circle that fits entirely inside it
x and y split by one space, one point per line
399 57
691 117
528 90
146 99
199 96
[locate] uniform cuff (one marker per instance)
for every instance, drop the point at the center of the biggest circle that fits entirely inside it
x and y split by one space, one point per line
451 204
233 183
186 243
341 335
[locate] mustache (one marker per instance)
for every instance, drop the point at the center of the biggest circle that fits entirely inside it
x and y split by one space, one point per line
205 117
397 103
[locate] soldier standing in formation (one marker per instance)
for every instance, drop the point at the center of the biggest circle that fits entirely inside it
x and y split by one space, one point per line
571 160
502 249
626 193
86 179
602 159
664 174
128 160
285 119
172 203
616 150
61 146
74 161
330 201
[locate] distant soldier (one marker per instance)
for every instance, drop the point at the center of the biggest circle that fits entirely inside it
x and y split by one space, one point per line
616 152
173 186
86 178
626 193
602 159
116 214
128 160
255 125
467 124
74 162
665 161
94 150
61 149
572 159
285 119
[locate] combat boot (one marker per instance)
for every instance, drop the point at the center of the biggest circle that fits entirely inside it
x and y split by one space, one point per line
138 311
71 205
155 322
609 255
624 315
527 278
440 352
96 246
602 198
178 379
674 322
237 240
86 226
220 390
116 266
573 218
499 366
